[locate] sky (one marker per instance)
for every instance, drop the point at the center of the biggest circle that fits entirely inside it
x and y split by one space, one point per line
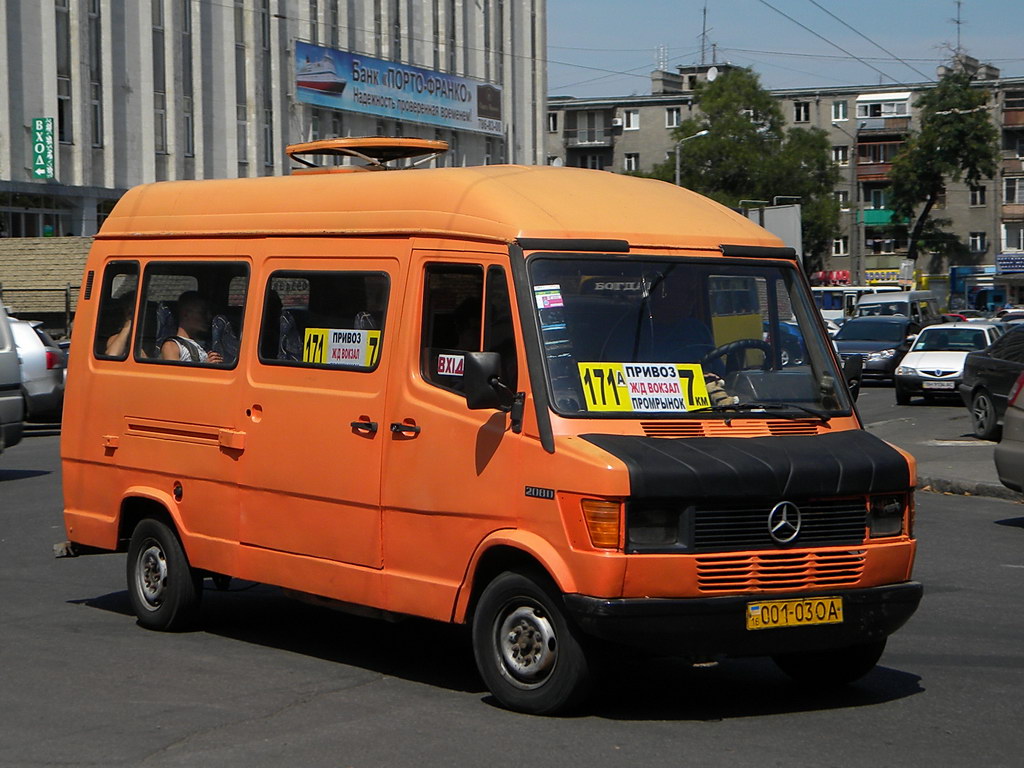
610 47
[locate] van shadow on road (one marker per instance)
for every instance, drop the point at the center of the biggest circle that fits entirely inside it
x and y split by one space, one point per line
631 687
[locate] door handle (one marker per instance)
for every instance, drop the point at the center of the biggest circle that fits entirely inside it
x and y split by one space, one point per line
365 426
404 429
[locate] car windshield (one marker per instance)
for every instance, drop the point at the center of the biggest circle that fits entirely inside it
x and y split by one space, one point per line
860 330
655 336
951 340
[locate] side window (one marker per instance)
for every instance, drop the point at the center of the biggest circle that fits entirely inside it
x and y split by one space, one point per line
191 313
452 321
117 310
324 319
1009 347
462 313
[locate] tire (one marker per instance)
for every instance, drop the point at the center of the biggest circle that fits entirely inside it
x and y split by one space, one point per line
832 668
528 654
983 416
164 590
902 396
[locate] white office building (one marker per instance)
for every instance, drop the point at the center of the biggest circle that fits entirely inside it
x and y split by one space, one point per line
104 94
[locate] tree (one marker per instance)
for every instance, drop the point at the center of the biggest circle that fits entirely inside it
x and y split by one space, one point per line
957 140
749 155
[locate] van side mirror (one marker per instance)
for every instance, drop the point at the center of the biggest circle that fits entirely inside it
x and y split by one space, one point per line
853 367
481 381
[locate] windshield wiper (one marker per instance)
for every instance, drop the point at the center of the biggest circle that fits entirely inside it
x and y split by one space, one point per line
770 406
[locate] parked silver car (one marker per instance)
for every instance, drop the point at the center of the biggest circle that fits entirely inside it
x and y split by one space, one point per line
1010 451
11 408
42 370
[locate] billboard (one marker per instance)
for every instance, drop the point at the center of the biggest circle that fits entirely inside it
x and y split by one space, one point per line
325 77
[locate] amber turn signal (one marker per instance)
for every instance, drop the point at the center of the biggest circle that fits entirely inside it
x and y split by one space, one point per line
603 521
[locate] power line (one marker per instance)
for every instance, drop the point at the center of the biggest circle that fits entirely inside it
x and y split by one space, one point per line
834 45
858 32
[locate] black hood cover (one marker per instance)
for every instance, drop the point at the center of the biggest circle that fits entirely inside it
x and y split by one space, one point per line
801 466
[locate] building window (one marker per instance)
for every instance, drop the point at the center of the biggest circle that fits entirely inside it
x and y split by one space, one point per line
631 162
1013 236
63 45
186 79
841 155
159 80
672 117
977 242
1013 190
314 22
241 89
801 111
883 109
977 195
877 198
95 73
841 246
631 119
843 198
552 122
839 113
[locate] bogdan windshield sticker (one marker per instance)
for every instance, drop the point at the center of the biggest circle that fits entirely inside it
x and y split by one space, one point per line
342 347
643 387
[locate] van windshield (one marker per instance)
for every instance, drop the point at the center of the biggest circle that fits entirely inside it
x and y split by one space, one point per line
655 336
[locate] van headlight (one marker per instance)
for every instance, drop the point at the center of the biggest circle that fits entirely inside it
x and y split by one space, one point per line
882 354
906 370
885 514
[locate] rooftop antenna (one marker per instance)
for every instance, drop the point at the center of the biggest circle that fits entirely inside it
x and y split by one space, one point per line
959 23
704 36
661 57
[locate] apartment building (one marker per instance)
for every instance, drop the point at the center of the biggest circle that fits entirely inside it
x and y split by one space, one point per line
866 125
105 94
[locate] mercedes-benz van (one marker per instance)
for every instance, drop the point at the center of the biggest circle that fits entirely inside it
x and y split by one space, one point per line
547 403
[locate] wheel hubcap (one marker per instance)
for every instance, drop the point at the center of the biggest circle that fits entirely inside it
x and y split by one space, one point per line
151 575
526 646
981 412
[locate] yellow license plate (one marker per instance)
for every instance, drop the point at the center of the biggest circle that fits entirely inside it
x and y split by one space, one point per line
795 613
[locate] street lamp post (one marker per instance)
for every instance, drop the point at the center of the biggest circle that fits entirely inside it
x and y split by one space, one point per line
856 237
698 134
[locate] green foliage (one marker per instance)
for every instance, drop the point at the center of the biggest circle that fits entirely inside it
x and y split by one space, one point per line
749 155
957 140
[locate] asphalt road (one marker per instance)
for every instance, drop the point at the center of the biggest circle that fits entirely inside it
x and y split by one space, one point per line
270 682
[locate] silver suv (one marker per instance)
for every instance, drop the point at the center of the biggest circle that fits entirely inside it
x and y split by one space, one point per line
11 409
42 370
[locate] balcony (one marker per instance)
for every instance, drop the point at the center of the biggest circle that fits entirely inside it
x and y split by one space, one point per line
1014 211
873 171
1013 118
1011 162
877 217
589 137
870 126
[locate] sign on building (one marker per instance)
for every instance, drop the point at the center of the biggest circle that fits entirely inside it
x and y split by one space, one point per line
42 148
334 79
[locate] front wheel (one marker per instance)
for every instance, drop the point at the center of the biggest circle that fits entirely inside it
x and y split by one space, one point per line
833 667
529 656
164 590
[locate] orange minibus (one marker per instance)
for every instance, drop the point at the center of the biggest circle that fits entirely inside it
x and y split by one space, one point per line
550 404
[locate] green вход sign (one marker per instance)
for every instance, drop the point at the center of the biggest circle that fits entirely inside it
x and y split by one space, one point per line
42 148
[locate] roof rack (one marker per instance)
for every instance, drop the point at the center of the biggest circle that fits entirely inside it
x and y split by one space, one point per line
377 151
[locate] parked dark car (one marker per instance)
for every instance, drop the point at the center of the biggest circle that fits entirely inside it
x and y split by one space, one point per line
881 342
1009 453
989 374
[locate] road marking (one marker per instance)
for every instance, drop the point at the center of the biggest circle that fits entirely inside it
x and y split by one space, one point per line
956 442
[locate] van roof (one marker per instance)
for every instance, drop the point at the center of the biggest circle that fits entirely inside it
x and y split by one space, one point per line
496 202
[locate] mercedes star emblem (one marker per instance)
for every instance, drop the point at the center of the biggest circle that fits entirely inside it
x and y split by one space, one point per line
784 522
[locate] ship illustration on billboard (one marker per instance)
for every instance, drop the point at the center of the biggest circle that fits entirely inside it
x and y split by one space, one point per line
320 75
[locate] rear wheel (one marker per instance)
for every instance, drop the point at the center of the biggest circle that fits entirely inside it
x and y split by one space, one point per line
528 654
164 590
833 667
983 416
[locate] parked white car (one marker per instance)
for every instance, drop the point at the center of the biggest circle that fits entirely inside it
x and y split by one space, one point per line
42 370
935 363
12 411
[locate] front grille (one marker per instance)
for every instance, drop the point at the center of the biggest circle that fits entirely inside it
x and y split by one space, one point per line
779 571
823 523
675 526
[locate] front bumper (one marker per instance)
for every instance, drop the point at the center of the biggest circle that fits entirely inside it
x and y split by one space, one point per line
916 385
716 626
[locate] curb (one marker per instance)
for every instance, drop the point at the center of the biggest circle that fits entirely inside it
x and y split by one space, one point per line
966 488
